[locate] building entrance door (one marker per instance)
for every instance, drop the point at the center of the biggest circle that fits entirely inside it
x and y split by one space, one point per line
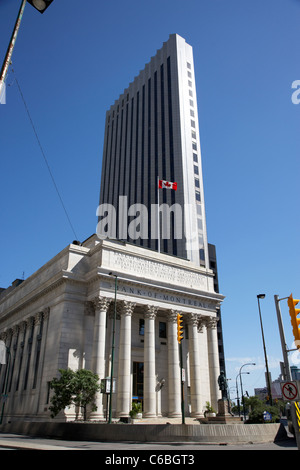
138 382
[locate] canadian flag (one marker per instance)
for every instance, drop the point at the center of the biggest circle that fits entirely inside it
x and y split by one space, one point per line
167 185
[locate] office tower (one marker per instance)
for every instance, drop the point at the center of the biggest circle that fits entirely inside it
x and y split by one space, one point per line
151 134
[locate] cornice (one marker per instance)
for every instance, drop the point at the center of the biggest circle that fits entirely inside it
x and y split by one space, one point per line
161 287
33 297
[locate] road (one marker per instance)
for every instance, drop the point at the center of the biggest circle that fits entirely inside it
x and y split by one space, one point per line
116 450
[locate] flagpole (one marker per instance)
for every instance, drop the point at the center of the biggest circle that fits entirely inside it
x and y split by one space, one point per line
158 224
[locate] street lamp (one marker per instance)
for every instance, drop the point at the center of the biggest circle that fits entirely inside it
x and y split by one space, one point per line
41 6
242 393
112 349
237 390
262 296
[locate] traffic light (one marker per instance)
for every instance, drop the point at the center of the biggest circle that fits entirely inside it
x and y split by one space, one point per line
294 320
40 5
179 328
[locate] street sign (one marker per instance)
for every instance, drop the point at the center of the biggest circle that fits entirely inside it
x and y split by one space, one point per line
290 391
105 385
267 416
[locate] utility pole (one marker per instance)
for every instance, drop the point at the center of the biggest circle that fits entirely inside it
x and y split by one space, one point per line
287 370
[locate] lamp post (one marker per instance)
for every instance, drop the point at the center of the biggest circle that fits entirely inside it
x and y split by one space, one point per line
262 296
112 349
240 375
41 6
237 390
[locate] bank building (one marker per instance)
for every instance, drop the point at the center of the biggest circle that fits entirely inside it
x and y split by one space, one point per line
114 299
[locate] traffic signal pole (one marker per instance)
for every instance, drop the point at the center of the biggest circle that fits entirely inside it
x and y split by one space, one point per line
179 338
287 370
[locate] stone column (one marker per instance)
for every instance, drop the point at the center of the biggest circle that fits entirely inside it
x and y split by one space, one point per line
174 390
124 366
42 366
149 401
37 321
100 305
20 357
213 360
194 354
13 358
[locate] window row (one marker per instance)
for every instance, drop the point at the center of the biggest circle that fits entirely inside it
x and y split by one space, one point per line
194 137
162 328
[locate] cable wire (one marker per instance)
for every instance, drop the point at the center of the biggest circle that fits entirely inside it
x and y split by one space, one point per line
44 156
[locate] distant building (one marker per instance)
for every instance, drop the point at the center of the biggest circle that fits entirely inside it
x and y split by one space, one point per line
295 373
263 392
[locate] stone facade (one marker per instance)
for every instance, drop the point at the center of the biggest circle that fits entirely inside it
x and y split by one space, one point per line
62 316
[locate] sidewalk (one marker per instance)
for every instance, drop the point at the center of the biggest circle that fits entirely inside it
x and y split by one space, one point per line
18 442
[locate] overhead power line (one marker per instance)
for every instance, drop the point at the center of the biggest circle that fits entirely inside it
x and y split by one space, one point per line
44 156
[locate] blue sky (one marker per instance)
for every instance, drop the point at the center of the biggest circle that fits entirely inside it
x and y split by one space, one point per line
73 61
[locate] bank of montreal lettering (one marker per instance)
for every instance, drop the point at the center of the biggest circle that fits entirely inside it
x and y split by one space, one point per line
149 294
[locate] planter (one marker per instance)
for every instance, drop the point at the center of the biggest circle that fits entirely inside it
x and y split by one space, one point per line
136 417
136 411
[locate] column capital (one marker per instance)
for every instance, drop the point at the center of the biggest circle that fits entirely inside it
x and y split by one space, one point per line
193 319
101 303
127 308
23 325
200 321
172 315
6 335
211 322
15 330
30 321
46 312
150 311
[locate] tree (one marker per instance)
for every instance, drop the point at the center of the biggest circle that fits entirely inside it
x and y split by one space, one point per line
74 388
258 407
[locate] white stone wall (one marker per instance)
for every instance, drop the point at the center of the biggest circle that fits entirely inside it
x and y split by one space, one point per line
76 298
